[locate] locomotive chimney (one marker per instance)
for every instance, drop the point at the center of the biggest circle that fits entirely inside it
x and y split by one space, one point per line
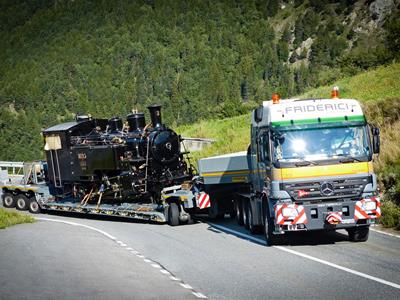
155 114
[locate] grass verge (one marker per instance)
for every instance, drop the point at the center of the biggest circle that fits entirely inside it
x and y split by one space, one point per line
9 218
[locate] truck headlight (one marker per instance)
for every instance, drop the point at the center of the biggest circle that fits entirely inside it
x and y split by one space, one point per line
289 212
369 205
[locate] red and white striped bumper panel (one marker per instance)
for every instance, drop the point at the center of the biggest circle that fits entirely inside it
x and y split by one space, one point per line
203 200
363 211
290 214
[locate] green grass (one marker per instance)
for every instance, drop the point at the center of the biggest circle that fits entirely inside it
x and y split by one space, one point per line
230 135
381 83
9 218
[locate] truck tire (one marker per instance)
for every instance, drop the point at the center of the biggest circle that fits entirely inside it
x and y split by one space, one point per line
173 214
21 202
358 234
239 211
245 211
8 200
254 229
33 206
214 213
270 237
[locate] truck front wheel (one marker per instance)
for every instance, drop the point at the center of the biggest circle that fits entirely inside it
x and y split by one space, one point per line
8 200
270 237
358 234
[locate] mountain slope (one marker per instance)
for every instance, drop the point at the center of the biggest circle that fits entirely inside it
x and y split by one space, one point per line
200 59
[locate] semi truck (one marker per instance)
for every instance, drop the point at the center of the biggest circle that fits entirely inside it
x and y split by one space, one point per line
308 167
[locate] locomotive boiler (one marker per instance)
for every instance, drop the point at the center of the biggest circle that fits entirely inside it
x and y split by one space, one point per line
114 161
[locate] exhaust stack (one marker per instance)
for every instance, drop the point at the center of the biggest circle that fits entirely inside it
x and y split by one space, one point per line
155 114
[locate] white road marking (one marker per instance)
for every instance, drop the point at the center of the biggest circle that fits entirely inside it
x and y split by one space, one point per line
174 278
261 241
165 272
199 295
122 244
81 225
385 233
186 286
157 266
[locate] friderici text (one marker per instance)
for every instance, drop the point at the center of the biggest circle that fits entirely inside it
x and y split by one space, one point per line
327 107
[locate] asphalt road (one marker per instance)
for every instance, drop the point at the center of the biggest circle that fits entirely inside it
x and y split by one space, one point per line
217 259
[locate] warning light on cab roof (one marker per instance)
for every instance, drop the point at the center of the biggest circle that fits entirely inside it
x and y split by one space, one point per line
275 98
335 93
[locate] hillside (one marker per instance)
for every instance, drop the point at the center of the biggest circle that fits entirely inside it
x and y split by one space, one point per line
200 59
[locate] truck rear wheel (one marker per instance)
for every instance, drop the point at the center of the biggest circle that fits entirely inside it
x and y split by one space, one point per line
8 200
245 212
33 206
254 229
358 234
173 214
21 202
239 211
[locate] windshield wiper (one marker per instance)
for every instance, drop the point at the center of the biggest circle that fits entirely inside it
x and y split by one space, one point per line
348 158
303 162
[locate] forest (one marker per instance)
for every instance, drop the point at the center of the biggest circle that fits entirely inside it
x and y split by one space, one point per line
200 59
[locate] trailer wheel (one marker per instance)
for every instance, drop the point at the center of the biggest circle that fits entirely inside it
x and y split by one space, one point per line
173 214
21 202
358 234
33 206
239 211
8 200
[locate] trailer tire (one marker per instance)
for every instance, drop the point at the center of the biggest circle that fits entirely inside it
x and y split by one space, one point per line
33 206
173 214
239 211
8 200
21 202
358 234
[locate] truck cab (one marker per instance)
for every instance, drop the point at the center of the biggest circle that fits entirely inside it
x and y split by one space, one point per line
311 167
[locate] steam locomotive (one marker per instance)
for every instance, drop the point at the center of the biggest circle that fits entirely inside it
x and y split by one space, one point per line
111 161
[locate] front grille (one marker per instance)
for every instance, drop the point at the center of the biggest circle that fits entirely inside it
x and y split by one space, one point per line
311 190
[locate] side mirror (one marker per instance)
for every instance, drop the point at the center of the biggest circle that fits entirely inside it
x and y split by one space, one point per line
376 142
258 114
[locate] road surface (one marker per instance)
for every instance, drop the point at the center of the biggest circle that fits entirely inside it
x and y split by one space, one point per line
219 260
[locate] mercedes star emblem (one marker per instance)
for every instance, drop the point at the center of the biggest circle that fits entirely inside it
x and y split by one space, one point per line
327 189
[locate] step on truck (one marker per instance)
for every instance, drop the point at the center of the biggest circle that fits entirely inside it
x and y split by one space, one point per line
308 167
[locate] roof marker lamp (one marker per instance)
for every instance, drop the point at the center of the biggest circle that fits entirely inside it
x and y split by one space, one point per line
275 98
335 92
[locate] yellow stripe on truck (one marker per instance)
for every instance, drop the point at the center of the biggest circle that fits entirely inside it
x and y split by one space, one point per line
318 171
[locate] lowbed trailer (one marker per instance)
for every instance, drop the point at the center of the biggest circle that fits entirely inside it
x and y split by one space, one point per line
23 186
308 167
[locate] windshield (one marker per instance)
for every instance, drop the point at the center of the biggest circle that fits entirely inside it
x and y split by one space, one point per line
321 144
